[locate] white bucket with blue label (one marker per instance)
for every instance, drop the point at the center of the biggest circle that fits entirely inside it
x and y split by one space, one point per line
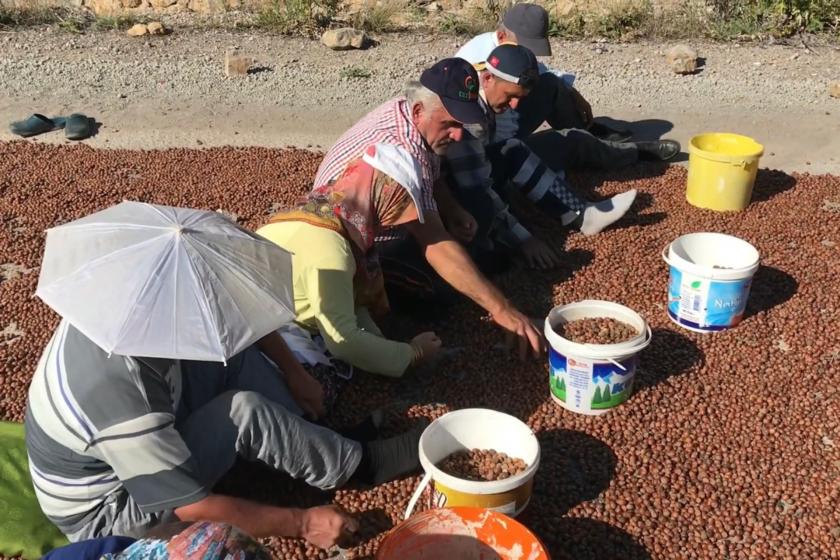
593 378
710 279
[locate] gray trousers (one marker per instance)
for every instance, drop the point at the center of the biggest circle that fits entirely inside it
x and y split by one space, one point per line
568 145
243 409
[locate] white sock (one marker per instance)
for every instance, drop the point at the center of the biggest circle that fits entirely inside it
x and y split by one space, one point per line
599 215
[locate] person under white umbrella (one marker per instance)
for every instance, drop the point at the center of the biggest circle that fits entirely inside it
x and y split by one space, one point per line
157 378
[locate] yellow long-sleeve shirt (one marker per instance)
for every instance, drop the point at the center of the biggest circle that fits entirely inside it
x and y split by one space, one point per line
322 272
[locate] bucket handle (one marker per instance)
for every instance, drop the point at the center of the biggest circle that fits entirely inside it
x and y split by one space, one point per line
417 493
618 364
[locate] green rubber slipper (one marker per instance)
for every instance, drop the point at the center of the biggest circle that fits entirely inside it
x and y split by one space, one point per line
78 127
36 124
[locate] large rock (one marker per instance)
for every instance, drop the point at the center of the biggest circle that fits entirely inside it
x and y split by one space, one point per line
682 59
344 38
834 90
236 65
207 6
138 30
105 7
156 28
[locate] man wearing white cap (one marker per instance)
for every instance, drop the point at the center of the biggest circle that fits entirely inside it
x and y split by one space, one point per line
480 170
556 101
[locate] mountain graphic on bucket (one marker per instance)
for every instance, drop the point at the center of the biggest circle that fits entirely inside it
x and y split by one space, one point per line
593 378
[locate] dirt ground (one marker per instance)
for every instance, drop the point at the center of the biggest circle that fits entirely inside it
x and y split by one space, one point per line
171 91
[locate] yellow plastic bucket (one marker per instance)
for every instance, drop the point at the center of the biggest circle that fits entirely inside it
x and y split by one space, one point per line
721 170
477 428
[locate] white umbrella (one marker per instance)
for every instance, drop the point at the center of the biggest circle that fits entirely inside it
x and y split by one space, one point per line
145 280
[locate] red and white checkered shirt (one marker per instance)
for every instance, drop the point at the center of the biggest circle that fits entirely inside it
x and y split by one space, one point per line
390 123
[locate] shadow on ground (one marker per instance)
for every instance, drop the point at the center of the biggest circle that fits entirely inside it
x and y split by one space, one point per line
255 481
574 538
575 468
769 183
674 353
770 287
646 129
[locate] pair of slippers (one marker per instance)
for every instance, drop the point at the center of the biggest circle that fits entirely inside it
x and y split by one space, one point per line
76 127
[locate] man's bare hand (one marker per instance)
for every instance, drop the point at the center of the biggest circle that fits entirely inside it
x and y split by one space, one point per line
539 254
326 526
307 392
520 332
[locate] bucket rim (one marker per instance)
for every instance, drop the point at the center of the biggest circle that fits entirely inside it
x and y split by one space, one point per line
693 148
462 511
477 486
600 352
671 258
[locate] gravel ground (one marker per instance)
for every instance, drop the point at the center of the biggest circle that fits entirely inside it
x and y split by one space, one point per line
171 91
727 449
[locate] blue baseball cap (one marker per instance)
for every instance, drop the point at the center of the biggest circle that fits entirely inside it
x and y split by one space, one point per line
455 82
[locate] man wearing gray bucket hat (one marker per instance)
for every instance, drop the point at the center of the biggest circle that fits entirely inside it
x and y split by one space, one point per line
555 100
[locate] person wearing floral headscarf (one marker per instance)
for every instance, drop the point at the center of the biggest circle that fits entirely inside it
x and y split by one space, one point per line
204 540
338 283
200 541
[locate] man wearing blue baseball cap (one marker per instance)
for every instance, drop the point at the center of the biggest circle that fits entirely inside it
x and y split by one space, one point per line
482 169
421 126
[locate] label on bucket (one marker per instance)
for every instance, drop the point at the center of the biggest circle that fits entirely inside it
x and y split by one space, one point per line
703 303
590 387
440 498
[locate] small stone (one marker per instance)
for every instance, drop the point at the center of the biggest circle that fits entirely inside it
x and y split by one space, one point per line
236 65
11 333
433 7
783 506
229 215
834 90
835 532
831 206
10 271
344 39
827 441
782 345
156 28
137 30
682 59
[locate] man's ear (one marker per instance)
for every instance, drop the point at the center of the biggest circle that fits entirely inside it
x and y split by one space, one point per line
501 36
417 110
